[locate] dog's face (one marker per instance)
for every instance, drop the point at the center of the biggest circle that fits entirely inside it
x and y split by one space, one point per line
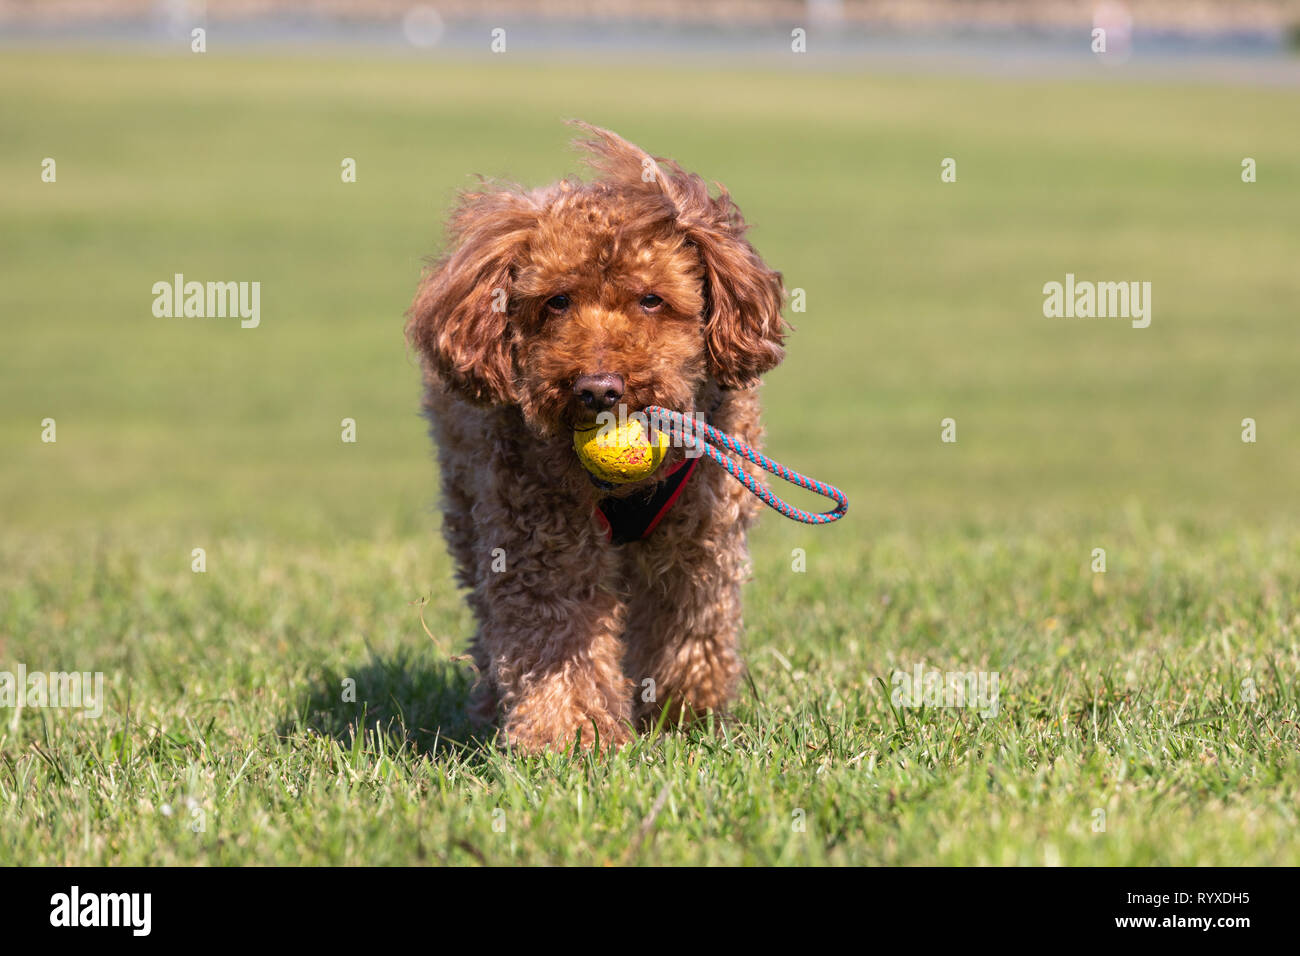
635 289
608 298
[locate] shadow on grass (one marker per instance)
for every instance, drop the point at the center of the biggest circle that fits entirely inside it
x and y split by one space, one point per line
406 698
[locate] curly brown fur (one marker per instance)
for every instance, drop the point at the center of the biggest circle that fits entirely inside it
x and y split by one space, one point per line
572 627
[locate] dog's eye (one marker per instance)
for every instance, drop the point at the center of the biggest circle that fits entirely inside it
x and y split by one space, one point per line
651 302
557 304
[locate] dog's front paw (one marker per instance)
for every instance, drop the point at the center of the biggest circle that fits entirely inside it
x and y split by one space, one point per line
533 732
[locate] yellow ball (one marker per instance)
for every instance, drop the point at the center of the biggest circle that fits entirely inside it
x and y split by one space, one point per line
619 454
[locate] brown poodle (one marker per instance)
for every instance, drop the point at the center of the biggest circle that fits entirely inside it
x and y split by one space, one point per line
597 606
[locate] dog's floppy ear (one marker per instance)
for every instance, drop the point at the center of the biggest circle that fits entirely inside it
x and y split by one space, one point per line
743 328
460 320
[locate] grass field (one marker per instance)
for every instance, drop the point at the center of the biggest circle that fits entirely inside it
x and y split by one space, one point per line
1147 715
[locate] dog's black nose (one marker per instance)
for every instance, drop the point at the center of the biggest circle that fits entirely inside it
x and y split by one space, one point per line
599 392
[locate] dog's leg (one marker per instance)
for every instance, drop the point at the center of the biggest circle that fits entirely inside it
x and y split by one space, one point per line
552 618
558 664
684 614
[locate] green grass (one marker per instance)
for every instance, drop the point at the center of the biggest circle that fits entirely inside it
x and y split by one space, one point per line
1162 693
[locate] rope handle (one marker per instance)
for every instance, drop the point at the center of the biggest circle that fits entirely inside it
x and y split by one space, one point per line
711 435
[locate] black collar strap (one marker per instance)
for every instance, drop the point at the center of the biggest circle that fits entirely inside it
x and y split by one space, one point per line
634 518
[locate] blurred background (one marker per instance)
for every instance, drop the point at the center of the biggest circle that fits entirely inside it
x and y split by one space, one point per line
828 121
1033 29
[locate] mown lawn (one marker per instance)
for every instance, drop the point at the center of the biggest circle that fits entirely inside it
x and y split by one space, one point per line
1145 715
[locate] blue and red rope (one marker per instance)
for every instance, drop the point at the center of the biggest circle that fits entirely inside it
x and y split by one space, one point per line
710 436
